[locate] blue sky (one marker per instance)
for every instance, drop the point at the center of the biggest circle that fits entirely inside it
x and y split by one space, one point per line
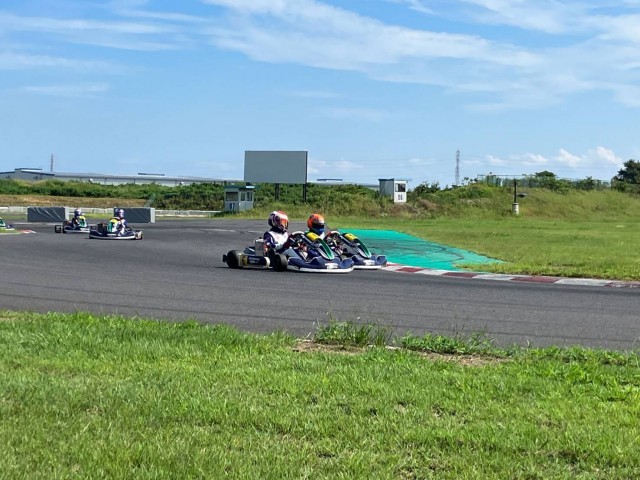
371 88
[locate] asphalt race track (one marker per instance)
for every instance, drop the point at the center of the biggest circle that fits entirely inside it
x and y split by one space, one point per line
176 273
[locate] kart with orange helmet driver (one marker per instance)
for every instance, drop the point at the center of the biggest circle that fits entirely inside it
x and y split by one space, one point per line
346 245
304 252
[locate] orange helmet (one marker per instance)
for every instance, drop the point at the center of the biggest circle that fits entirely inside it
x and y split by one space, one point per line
316 223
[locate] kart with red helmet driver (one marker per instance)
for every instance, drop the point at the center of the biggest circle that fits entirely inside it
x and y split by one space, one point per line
279 250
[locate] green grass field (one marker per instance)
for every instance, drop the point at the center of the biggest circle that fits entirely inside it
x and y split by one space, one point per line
103 397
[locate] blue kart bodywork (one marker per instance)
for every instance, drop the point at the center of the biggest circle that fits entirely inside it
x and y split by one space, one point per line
306 253
105 231
347 245
68 226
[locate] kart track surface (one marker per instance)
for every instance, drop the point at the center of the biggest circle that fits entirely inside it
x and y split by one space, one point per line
176 273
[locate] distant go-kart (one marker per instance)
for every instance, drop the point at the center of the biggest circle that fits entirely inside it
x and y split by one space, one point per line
5 226
347 245
69 226
107 231
306 253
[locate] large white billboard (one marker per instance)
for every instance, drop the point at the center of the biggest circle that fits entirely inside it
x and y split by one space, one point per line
271 166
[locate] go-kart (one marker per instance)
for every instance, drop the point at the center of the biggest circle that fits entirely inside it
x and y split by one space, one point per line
107 231
5 226
69 226
347 245
305 253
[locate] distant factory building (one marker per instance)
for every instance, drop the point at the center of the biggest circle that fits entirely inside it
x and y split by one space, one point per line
37 174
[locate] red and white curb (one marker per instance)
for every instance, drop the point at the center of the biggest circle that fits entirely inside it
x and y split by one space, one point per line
591 282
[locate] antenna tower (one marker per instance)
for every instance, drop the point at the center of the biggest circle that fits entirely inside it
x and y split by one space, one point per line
457 168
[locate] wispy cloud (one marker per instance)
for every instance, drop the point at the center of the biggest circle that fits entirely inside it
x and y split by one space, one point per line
23 61
126 35
581 48
67 90
564 159
313 33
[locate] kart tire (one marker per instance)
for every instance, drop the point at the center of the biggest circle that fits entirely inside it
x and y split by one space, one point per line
279 262
58 228
233 259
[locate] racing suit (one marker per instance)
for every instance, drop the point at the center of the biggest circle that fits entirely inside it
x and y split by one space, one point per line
78 221
275 240
120 225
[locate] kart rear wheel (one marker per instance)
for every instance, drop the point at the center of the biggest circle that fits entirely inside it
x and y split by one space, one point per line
279 262
233 259
58 228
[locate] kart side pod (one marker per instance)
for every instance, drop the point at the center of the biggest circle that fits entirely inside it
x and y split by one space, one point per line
238 259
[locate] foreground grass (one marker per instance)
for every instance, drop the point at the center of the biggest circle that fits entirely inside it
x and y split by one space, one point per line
104 397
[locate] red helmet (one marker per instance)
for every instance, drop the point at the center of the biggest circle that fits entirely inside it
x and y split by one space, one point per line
279 220
316 223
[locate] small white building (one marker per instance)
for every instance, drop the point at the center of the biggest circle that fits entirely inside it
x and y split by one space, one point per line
395 188
238 199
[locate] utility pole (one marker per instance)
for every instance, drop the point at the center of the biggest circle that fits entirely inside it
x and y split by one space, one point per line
457 168
51 167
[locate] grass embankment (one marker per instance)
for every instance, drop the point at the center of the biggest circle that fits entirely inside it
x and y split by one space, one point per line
104 397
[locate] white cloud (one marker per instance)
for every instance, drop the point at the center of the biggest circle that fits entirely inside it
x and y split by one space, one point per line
604 155
24 61
67 90
569 159
113 34
313 33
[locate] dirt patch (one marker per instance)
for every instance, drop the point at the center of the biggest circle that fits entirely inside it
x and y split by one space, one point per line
308 346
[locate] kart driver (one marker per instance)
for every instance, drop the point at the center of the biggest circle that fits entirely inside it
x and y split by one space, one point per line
120 224
277 237
316 224
78 219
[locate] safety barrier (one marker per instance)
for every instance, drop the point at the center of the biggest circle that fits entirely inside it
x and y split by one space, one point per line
133 214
